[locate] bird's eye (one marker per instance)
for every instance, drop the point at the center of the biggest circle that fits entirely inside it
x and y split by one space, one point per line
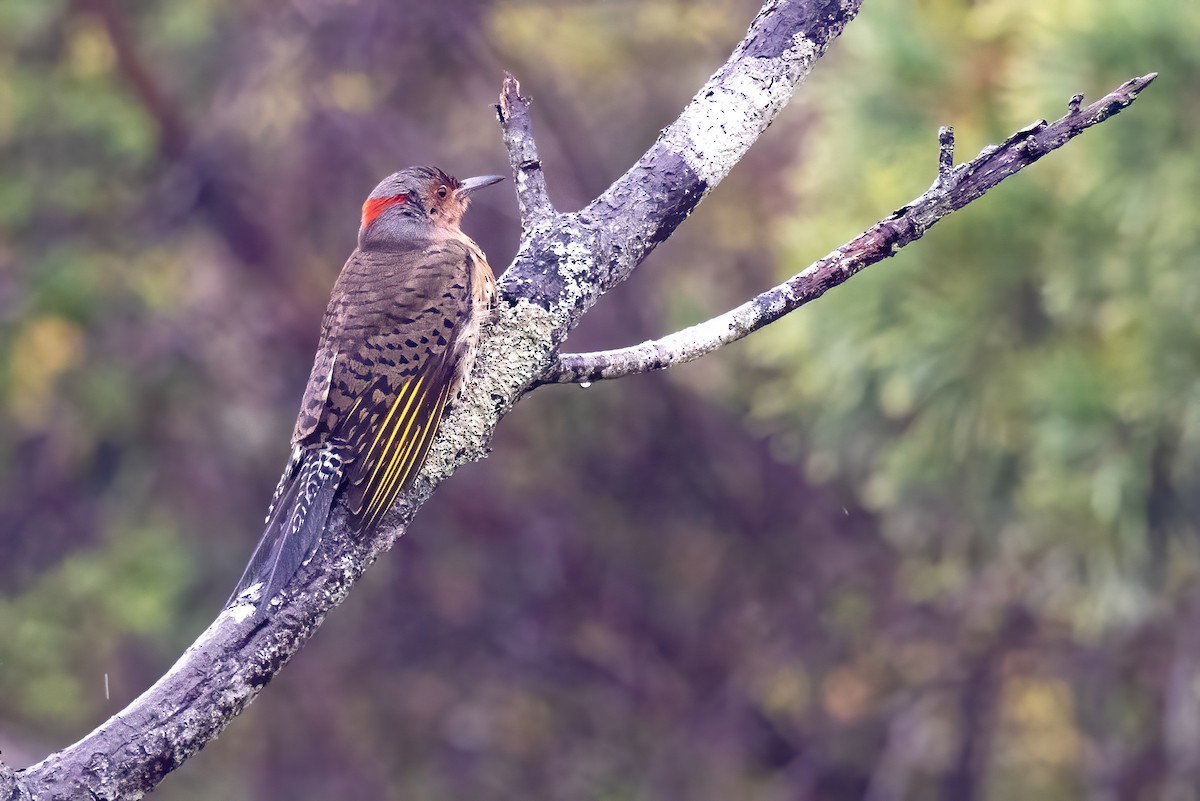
442 191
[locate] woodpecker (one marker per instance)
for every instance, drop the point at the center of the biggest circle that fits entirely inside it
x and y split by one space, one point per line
397 339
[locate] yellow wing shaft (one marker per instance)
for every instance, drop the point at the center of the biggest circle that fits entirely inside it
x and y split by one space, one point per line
406 436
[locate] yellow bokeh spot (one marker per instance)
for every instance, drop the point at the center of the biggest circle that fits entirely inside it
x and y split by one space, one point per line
89 50
1040 723
784 692
896 398
351 91
43 350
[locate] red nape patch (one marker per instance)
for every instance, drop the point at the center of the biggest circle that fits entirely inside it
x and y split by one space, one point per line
376 205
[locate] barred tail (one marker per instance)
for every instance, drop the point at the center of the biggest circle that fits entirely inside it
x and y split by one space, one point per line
295 522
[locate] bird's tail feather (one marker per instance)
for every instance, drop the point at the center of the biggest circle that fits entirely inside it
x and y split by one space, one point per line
294 524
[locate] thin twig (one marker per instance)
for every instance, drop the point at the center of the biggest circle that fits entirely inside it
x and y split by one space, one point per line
513 112
954 188
945 153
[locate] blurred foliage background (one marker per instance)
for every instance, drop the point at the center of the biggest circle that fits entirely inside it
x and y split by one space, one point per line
932 537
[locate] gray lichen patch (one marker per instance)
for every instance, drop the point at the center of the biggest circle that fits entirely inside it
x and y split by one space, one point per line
515 347
736 105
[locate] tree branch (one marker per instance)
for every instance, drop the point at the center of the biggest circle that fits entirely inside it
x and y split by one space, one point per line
513 113
565 263
578 257
954 188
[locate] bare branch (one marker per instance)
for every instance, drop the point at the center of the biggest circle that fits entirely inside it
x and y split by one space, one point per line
513 112
945 154
210 684
954 188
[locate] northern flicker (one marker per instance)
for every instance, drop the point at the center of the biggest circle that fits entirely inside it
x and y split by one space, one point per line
397 339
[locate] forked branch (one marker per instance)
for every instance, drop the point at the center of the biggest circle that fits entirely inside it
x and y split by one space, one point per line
565 263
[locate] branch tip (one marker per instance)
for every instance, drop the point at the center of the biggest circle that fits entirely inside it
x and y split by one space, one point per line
510 94
945 152
1128 91
517 130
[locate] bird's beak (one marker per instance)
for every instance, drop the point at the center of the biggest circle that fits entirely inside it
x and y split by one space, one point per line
470 185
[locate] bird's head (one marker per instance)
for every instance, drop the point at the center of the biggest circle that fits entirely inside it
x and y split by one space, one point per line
414 203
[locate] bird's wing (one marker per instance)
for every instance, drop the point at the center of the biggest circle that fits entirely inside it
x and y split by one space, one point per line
393 360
